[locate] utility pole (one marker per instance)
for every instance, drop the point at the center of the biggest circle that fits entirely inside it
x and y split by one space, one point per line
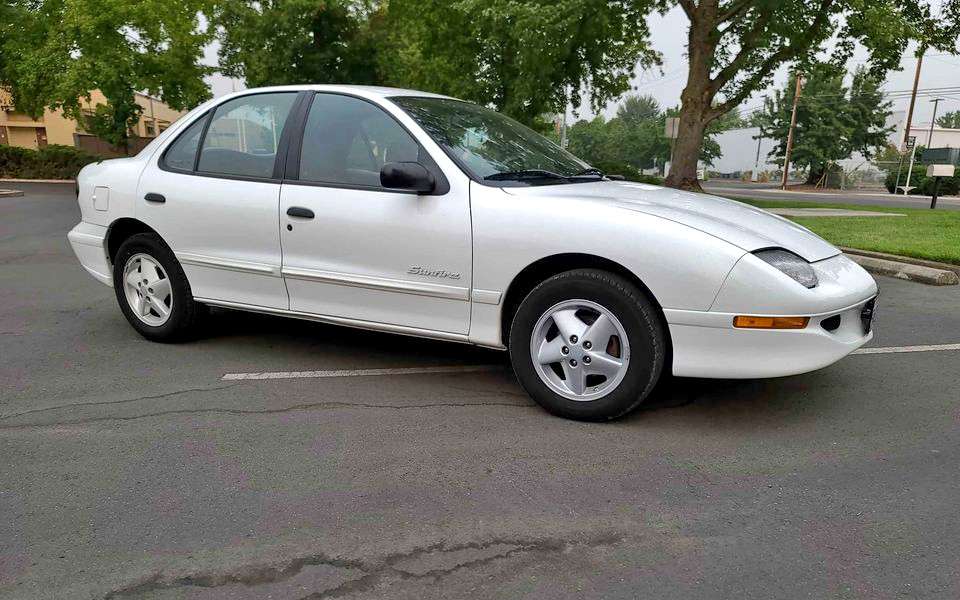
913 97
933 120
793 124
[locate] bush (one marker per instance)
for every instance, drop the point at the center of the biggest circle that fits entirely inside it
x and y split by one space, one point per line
949 186
921 184
51 162
629 172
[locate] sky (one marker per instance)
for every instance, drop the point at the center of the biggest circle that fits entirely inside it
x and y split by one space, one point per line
665 83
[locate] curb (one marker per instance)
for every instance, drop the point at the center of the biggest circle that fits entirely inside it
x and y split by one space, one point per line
8 180
904 259
901 270
10 193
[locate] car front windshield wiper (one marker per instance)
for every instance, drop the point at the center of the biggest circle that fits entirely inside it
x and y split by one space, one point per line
590 171
525 174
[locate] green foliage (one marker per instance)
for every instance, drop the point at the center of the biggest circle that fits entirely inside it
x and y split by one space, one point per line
276 42
50 162
833 120
636 109
64 49
736 47
526 58
628 172
635 137
112 123
950 120
890 163
921 184
523 57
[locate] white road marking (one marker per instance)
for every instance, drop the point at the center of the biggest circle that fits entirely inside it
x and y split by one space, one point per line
899 349
489 368
359 372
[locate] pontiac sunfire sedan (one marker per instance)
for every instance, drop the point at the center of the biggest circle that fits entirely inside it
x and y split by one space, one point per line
418 214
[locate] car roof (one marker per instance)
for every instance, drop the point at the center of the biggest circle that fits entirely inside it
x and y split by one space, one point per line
365 91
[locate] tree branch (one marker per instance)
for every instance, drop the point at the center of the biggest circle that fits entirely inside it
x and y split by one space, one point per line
781 55
734 11
690 8
748 45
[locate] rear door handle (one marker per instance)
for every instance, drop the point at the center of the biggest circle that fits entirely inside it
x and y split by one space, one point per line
158 198
299 211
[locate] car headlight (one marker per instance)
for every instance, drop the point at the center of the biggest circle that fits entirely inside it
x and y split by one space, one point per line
789 264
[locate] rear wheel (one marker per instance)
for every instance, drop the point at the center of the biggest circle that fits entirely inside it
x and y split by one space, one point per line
587 344
153 291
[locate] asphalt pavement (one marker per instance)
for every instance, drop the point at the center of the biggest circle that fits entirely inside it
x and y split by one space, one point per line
135 470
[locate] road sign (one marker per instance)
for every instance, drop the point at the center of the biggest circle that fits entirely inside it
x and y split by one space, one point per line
911 142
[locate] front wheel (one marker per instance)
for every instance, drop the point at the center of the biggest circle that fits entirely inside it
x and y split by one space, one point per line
587 344
153 291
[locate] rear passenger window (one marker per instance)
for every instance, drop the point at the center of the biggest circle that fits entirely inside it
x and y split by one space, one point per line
244 135
183 152
347 141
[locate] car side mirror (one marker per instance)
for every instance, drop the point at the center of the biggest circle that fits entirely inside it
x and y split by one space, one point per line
407 176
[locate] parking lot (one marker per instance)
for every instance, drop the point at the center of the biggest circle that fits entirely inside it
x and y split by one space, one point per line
138 470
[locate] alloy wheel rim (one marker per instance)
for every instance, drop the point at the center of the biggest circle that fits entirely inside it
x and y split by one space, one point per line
147 288
580 350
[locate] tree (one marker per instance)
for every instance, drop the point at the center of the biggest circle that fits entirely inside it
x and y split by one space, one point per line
636 136
950 120
64 49
637 109
526 58
735 46
833 120
276 42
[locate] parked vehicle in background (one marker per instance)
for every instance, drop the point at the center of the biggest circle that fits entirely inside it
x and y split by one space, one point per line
413 213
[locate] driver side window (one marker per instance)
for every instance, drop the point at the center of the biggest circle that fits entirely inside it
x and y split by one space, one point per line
347 140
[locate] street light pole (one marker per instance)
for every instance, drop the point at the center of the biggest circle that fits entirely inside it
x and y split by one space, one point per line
793 124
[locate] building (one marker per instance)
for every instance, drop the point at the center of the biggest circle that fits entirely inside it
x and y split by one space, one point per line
743 151
20 129
939 137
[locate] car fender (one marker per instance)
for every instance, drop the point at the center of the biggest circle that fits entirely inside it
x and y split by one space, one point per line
682 267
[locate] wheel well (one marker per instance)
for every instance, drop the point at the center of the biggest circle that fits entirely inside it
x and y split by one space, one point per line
120 230
543 269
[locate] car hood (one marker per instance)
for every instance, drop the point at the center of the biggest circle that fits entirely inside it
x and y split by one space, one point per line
737 223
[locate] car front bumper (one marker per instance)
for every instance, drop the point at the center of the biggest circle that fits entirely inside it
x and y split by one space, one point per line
89 244
715 349
706 344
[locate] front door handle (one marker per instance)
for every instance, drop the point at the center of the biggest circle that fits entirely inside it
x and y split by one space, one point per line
158 198
299 211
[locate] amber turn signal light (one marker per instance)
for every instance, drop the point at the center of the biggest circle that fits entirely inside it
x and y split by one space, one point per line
746 322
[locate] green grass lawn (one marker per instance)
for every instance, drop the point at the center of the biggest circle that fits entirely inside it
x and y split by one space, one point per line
922 233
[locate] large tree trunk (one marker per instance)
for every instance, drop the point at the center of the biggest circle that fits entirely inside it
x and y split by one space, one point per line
686 152
816 174
697 98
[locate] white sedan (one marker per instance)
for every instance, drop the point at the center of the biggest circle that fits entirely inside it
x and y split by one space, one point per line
423 215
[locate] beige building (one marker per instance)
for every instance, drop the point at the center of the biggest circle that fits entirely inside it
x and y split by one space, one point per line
19 129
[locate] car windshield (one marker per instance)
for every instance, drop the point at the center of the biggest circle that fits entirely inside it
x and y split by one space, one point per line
494 148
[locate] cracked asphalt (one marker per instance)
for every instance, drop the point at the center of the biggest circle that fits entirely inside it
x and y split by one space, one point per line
130 470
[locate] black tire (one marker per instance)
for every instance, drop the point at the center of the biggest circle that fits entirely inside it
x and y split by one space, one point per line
185 313
640 319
